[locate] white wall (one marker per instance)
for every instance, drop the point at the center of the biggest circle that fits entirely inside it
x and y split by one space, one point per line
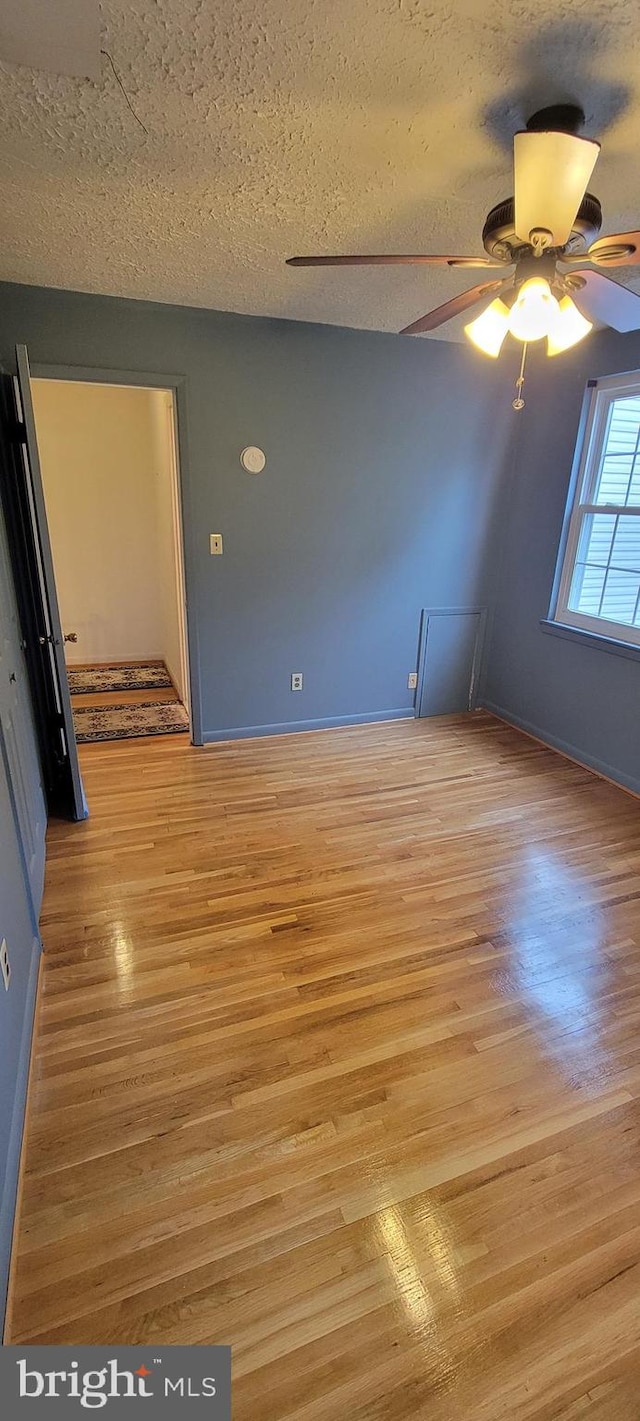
108 479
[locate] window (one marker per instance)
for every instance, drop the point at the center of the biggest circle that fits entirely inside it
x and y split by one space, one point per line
600 580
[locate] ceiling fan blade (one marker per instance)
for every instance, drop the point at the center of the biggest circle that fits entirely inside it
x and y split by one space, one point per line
455 307
551 175
392 261
621 250
603 299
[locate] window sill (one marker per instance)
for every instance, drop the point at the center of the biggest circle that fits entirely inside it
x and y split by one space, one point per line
599 643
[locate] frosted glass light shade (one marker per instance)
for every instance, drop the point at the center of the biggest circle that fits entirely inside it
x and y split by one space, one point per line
569 327
488 331
534 311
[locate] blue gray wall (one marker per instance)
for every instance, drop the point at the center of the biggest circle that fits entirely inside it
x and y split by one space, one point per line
383 463
575 695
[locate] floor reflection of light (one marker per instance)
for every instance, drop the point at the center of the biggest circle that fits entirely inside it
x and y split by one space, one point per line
413 1292
545 969
435 1245
418 1301
440 1244
122 954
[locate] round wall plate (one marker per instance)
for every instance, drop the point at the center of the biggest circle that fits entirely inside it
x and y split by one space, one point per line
253 459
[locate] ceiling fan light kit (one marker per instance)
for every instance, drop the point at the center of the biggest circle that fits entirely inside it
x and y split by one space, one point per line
549 232
569 328
488 331
534 314
534 310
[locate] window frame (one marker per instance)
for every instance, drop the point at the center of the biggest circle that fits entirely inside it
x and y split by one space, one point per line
599 399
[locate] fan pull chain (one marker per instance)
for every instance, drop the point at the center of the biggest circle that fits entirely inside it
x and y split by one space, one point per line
518 403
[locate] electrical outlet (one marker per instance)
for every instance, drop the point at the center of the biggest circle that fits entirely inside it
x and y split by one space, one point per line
5 965
296 680
412 680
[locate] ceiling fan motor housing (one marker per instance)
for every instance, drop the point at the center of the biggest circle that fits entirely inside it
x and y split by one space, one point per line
499 233
558 118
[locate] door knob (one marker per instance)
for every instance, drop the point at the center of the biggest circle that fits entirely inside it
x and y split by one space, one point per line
71 636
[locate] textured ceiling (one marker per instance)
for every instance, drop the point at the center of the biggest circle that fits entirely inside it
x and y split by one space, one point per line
292 126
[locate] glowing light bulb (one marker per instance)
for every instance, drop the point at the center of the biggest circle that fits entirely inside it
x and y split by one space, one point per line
569 327
534 311
489 330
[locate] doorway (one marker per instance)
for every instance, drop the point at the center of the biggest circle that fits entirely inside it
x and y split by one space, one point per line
110 475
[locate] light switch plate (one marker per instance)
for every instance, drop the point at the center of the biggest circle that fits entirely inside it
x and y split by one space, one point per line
215 544
412 680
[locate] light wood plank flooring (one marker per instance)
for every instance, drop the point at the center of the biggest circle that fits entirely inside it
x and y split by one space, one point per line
339 1062
100 699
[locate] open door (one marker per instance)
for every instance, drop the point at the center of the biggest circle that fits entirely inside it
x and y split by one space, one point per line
41 620
18 741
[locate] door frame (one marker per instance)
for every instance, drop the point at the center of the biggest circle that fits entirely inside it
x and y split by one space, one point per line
177 385
427 614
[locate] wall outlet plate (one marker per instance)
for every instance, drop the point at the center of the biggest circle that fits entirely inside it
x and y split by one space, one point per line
412 681
5 965
297 680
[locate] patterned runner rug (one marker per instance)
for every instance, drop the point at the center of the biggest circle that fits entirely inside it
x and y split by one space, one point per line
117 678
125 722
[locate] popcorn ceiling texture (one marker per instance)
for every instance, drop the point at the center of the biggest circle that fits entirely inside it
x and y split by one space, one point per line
285 126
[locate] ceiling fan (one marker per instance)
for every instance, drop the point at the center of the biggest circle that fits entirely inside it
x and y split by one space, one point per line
538 245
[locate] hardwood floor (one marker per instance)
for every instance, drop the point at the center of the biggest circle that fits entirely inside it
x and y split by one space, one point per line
100 699
339 1062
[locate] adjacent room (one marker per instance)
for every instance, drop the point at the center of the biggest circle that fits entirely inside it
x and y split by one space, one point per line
319 689
111 490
